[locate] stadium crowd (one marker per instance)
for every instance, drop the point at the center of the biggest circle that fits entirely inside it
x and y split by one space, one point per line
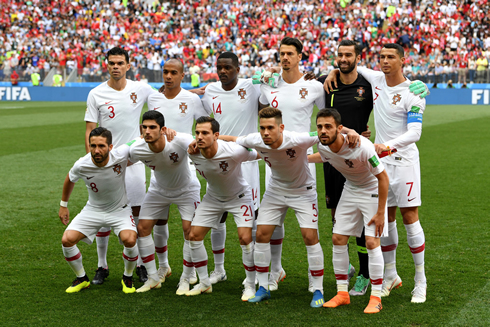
444 40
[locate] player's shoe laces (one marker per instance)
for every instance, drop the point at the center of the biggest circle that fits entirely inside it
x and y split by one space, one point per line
142 273
352 272
342 298
78 284
248 292
193 277
150 284
317 301
163 273
361 286
261 295
374 305
390 284
419 292
127 284
200 289
275 278
217 276
183 286
100 275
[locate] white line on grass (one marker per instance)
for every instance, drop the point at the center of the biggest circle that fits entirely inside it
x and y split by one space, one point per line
476 312
12 107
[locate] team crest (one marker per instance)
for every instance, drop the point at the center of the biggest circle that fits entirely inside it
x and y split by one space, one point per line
117 169
361 91
174 156
183 107
133 97
223 165
291 153
242 93
303 92
349 163
396 98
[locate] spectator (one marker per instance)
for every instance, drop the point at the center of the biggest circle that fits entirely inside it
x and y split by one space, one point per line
35 79
472 68
14 78
57 79
481 68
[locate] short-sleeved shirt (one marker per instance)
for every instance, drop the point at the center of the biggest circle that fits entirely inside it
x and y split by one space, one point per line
179 112
105 185
237 110
118 111
358 165
171 175
223 172
392 108
296 101
288 163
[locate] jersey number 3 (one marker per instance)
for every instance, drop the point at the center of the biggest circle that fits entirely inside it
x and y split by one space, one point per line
112 114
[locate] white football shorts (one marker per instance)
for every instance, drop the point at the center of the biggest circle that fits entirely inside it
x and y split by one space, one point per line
404 190
136 184
251 173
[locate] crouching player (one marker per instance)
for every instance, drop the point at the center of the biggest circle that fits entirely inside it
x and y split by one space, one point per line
362 204
103 172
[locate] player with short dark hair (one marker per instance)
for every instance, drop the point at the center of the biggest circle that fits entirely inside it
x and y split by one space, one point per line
103 171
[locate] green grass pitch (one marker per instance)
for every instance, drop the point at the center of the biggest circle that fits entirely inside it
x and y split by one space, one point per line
41 141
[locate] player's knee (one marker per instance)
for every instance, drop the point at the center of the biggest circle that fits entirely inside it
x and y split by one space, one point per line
67 241
372 243
143 229
338 239
245 239
129 239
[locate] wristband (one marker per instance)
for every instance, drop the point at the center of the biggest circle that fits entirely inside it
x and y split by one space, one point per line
64 204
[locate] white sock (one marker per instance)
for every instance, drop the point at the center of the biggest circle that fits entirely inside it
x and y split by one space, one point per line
74 258
160 234
139 262
376 265
340 260
200 261
388 246
262 260
147 251
218 240
130 256
276 249
102 240
416 242
248 262
188 265
316 265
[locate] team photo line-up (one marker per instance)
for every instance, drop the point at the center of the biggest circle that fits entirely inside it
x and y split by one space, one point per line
268 118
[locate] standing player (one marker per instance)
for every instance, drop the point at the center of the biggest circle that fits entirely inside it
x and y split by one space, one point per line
295 97
172 182
180 108
234 103
398 123
361 206
227 191
103 172
291 186
116 105
353 98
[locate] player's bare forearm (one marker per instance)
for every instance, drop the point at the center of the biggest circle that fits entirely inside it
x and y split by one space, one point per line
227 138
331 81
383 185
315 158
352 137
64 213
89 126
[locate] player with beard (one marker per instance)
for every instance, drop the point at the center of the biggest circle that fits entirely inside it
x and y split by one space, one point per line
361 206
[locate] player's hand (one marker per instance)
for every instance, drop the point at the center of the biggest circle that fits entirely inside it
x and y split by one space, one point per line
192 148
170 133
379 222
266 77
419 88
199 91
308 76
162 88
331 81
64 215
353 139
367 132
380 148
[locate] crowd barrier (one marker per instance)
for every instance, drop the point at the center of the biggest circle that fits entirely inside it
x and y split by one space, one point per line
476 94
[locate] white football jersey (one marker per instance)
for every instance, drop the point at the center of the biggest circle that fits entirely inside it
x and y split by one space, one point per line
179 112
392 106
288 163
359 165
236 111
296 102
223 172
171 168
105 185
118 111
